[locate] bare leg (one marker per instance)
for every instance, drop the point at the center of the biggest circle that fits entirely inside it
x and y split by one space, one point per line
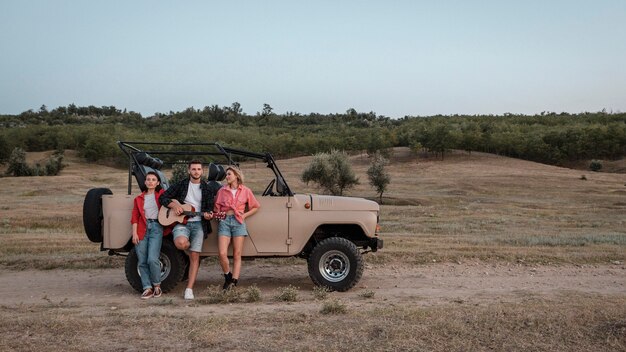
237 248
181 243
222 245
194 264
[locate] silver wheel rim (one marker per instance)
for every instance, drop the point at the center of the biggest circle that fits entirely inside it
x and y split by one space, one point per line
334 266
165 264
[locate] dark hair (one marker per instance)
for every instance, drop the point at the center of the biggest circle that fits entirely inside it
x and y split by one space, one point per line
158 187
194 161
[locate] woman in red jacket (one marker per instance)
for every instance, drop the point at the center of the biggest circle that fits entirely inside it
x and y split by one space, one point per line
148 236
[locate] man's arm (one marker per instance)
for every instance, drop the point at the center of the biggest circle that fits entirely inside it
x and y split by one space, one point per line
168 198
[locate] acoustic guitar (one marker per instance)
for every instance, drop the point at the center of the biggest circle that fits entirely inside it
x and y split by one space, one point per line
168 217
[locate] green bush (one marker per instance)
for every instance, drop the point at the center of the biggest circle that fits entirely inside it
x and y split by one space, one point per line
17 164
19 167
55 163
179 173
595 165
331 172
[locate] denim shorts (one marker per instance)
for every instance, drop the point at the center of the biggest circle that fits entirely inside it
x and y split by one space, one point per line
230 227
193 232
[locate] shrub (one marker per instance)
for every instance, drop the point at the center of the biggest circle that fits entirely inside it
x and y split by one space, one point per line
55 163
17 164
19 167
331 171
595 165
179 173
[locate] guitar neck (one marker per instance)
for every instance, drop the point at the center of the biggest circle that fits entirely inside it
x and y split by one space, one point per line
192 213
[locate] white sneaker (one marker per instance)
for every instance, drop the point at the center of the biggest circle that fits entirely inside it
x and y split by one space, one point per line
188 293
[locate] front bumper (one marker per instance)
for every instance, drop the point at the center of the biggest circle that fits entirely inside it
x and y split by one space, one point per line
375 244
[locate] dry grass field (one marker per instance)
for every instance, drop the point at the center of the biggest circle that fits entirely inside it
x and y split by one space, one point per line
481 253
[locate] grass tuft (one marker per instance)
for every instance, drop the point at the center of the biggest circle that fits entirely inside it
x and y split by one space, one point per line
320 292
367 294
253 294
216 295
333 306
287 294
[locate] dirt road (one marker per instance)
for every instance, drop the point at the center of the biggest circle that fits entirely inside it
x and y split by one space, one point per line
422 285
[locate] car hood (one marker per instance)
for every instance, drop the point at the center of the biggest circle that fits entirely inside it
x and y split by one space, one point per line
336 203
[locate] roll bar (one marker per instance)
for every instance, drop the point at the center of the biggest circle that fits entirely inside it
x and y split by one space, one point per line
172 153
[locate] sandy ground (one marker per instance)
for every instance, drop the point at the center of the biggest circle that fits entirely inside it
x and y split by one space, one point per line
422 285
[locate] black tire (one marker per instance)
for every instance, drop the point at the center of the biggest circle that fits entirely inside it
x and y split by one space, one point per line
173 266
92 213
335 263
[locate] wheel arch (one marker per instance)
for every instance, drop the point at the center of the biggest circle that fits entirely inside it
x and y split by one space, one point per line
352 232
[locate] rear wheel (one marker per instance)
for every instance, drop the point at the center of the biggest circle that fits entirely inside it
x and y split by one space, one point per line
173 266
92 213
335 263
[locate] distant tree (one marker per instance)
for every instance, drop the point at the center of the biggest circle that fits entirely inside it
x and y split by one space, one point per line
235 108
331 172
267 110
379 178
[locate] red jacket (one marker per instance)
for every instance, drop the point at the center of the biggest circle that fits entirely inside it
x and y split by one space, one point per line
139 216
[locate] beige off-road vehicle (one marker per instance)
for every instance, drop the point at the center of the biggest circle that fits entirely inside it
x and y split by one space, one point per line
330 232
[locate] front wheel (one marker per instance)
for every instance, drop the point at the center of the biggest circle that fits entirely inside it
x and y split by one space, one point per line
173 266
335 263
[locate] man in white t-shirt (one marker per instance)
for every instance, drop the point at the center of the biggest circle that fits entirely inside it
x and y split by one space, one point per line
190 236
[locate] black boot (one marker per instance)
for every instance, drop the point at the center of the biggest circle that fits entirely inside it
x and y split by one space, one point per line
228 279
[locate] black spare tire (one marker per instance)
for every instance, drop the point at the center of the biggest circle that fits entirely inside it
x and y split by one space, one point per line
173 265
92 213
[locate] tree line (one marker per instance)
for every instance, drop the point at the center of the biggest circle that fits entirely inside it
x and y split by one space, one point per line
547 137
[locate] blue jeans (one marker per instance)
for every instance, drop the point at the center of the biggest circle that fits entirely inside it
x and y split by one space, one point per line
148 251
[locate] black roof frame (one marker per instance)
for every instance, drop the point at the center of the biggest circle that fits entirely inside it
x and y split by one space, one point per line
219 153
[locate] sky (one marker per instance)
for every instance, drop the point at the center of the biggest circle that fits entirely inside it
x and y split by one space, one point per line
395 58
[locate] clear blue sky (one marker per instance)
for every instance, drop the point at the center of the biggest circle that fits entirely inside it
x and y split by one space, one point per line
395 58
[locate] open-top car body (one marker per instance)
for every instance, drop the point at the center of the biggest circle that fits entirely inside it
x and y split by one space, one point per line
330 232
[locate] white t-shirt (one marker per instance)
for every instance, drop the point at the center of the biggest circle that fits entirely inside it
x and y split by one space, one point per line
194 197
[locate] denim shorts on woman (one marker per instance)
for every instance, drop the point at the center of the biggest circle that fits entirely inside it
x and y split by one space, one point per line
230 227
